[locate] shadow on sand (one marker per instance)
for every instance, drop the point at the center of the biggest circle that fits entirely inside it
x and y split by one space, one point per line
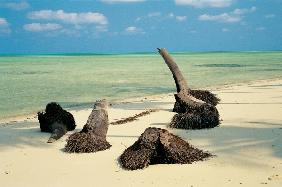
234 141
18 134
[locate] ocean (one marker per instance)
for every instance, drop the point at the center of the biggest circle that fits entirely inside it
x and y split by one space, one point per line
28 83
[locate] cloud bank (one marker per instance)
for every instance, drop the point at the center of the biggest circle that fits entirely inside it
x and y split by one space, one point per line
69 17
204 3
4 26
40 27
231 17
16 5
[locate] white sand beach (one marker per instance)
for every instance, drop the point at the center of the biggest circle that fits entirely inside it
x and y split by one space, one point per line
247 145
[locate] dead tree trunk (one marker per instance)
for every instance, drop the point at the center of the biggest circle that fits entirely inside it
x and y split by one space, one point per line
193 113
181 84
92 137
55 120
158 146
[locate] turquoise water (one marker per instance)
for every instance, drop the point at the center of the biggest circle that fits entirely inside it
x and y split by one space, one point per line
28 83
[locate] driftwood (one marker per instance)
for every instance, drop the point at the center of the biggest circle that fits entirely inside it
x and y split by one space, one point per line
158 146
133 118
193 113
92 137
55 120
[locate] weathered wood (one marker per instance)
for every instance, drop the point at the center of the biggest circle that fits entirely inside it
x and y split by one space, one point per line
98 121
180 81
58 130
193 113
133 118
92 137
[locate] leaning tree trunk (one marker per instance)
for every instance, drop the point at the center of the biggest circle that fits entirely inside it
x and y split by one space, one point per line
181 84
92 137
193 113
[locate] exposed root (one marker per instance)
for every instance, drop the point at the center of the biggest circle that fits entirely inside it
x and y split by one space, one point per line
206 96
158 146
204 117
82 142
92 137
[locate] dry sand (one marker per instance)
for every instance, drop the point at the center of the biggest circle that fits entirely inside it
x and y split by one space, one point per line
247 145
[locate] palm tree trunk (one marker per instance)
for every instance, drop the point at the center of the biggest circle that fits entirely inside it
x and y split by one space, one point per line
180 81
92 137
193 113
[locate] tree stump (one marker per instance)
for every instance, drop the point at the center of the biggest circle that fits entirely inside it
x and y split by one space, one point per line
92 137
55 120
158 146
193 113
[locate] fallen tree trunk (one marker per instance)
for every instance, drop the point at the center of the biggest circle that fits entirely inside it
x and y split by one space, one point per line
193 113
92 137
55 120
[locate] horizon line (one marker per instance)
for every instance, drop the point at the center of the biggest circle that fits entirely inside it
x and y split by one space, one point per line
131 53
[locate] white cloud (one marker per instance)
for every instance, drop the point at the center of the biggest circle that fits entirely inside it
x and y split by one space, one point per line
101 28
231 17
224 18
176 17
3 22
158 16
149 15
205 3
41 27
180 18
121 1
69 17
225 30
4 26
244 10
16 5
269 16
134 30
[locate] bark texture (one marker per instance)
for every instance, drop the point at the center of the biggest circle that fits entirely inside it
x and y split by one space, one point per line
55 120
205 96
158 146
193 113
92 137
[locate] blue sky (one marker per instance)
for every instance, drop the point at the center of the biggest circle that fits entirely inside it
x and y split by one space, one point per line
122 26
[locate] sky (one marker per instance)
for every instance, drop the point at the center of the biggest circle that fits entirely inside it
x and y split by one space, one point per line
129 26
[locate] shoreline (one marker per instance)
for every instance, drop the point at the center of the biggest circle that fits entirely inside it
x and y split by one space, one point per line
33 115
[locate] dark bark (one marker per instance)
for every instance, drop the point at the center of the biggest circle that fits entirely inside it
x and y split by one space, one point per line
55 120
205 96
92 137
193 112
158 146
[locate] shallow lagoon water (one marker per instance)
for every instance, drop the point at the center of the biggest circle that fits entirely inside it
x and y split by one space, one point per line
28 83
